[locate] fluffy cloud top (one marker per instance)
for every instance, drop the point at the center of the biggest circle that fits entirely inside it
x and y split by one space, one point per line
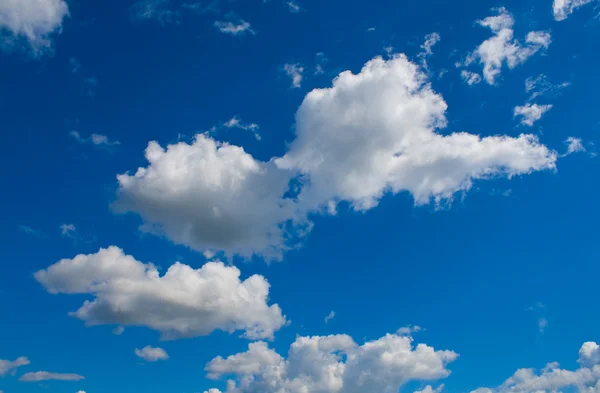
182 303
368 134
9 367
332 364
32 21
375 132
563 8
39 376
151 354
502 48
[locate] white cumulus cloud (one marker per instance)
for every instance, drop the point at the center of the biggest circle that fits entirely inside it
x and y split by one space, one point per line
210 196
530 113
151 354
563 8
375 132
503 49
332 364
184 302
31 21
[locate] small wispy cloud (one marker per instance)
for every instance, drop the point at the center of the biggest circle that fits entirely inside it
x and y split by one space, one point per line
39 376
329 317
530 113
158 10
539 86
542 324
68 230
409 330
29 230
95 139
472 78
426 48
236 122
293 7
320 63
89 82
234 28
294 71
574 145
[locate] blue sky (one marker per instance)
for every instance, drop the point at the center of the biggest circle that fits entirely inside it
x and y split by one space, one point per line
303 196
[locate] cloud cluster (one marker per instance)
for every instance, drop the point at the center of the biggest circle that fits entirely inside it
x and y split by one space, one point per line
31 21
181 303
369 134
503 49
552 378
331 364
563 8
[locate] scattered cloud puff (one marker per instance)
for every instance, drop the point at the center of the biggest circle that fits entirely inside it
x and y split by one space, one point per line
68 230
409 330
151 354
472 78
331 364
539 86
234 28
118 330
95 139
563 8
430 41
294 71
329 317
10 367
292 6
502 48
530 113
574 145
235 122
369 134
31 22
552 378
178 304
39 376
542 324
321 61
